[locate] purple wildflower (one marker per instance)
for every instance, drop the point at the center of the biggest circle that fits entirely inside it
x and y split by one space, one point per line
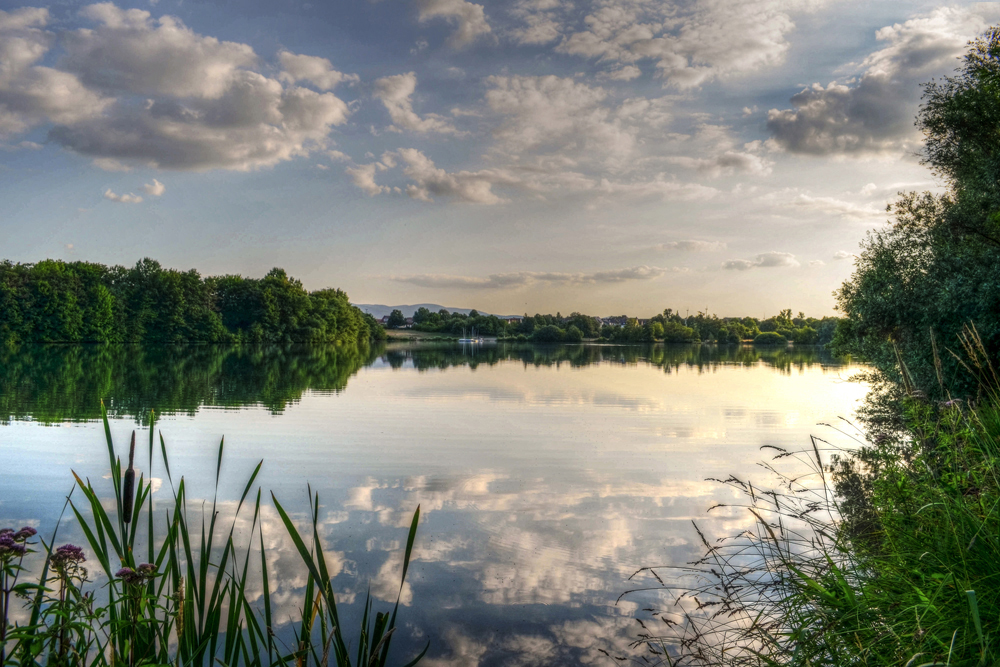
9 548
65 555
129 576
25 533
146 569
6 531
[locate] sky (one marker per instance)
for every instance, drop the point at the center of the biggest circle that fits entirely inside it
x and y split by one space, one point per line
602 156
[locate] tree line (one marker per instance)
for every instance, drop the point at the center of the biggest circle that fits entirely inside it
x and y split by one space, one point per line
84 302
667 326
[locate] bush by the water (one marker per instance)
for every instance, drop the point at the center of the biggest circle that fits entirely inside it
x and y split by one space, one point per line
770 338
181 597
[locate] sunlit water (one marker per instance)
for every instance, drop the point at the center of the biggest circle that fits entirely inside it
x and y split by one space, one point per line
546 476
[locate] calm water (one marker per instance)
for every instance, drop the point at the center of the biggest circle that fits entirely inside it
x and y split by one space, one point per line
546 476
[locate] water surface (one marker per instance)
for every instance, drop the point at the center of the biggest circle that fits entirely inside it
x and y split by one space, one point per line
546 475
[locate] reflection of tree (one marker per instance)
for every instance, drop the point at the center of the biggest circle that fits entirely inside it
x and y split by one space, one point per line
57 383
668 357
67 383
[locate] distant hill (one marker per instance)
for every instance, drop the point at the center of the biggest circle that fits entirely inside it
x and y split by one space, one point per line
378 311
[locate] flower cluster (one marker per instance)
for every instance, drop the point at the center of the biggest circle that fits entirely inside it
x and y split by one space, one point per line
12 542
65 556
140 575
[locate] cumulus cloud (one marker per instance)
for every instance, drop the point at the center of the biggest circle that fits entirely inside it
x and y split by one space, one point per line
31 94
427 181
552 113
134 89
626 73
842 254
687 43
658 186
154 189
873 114
834 206
527 278
469 19
764 260
363 176
315 70
395 93
539 22
464 186
727 162
122 199
692 246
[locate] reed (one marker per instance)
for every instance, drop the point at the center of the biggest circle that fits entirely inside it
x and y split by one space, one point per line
188 600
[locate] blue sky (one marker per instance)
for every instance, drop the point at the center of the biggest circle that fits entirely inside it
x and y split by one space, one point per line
528 155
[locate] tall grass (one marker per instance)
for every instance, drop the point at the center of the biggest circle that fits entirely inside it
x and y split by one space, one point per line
183 597
888 554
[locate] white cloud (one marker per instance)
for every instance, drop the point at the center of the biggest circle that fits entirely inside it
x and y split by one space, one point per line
315 70
138 90
395 93
692 246
363 176
463 186
31 94
763 260
838 207
658 186
727 162
129 51
540 22
842 254
625 73
815 263
123 199
469 19
528 278
154 189
554 115
874 114
689 43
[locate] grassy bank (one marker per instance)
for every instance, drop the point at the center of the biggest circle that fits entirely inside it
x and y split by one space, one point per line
886 555
187 595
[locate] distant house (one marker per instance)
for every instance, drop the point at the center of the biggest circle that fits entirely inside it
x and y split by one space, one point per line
513 319
384 321
409 323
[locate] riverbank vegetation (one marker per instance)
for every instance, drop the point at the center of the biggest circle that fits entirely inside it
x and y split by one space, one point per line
667 326
83 302
144 593
889 553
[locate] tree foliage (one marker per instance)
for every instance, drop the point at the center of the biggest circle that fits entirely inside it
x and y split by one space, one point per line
80 302
936 267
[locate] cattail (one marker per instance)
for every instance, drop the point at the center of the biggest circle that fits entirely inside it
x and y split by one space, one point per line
179 599
129 484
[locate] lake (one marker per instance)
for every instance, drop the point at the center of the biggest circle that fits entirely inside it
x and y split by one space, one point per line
546 476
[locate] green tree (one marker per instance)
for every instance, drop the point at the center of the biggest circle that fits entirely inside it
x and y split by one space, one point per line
917 283
396 319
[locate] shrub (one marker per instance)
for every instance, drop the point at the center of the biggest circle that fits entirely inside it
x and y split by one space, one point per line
547 334
770 338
